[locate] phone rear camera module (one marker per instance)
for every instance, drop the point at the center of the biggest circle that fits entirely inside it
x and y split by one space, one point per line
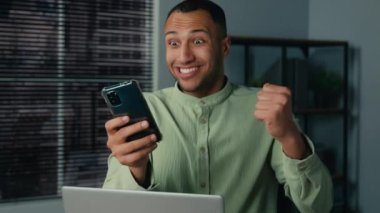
114 98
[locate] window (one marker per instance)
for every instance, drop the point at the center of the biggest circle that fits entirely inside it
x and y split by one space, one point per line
55 56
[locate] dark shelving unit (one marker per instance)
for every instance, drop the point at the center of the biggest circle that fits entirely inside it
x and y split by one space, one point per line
316 71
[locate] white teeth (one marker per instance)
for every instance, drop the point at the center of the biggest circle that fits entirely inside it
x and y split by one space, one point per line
187 70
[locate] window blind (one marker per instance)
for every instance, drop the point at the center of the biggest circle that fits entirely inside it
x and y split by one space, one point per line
55 57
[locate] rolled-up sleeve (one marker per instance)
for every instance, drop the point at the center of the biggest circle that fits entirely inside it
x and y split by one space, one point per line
306 182
119 176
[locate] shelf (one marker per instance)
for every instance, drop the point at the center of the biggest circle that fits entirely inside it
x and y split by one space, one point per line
316 71
338 204
319 111
338 207
236 40
338 177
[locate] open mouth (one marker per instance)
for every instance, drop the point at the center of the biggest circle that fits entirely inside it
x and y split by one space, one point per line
188 70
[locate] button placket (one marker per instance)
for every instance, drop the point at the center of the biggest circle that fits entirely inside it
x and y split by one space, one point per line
204 115
203 150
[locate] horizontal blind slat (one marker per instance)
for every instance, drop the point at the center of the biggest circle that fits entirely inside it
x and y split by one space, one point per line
52 69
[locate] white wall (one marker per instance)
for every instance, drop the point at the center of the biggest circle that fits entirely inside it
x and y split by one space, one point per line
357 22
270 18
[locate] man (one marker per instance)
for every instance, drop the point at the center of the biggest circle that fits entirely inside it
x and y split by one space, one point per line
218 138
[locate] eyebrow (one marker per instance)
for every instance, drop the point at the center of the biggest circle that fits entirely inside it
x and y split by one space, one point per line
193 31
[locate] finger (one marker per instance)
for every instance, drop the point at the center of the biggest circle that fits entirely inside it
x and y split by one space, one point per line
133 146
263 105
276 89
261 114
260 96
138 155
115 124
132 129
121 136
273 97
273 109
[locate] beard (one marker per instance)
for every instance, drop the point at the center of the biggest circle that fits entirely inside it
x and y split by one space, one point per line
210 78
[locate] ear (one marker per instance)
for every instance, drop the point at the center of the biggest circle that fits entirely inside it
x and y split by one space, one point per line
226 45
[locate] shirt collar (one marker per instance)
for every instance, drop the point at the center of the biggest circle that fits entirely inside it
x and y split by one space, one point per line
210 100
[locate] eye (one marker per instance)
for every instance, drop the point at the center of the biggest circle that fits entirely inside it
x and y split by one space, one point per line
172 43
198 41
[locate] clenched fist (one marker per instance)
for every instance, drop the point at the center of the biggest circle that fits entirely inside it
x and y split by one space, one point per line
274 108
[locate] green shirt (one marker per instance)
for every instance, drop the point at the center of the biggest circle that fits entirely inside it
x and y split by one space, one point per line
214 145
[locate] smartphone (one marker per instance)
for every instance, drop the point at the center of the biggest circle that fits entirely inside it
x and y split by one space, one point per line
126 98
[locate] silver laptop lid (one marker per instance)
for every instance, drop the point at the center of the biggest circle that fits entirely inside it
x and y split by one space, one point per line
96 200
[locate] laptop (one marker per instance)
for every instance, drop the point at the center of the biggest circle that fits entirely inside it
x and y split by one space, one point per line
97 200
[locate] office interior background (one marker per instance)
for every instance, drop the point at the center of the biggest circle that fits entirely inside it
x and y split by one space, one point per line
349 20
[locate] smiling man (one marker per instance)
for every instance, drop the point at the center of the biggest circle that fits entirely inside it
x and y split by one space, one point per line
195 48
218 138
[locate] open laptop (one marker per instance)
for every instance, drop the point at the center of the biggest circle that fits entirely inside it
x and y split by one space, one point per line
96 200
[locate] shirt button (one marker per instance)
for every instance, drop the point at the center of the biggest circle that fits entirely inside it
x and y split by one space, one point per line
202 102
203 185
203 120
203 150
302 166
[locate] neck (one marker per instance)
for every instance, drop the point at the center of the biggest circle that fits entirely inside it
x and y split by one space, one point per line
219 85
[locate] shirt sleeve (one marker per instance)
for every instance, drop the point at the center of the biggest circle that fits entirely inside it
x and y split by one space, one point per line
119 176
306 182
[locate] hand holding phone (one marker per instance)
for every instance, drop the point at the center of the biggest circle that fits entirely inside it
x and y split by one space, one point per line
134 154
127 104
126 98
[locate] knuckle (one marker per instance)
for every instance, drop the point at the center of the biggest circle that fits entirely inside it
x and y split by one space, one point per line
283 100
134 127
127 159
287 91
147 139
278 108
125 132
141 155
132 145
107 125
115 152
143 124
108 144
139 143
124 160
258 115
110 125
131 159
148 151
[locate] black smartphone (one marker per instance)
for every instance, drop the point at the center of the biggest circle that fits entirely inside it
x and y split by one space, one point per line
126 98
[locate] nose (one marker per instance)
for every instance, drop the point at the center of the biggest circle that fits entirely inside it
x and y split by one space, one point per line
186 54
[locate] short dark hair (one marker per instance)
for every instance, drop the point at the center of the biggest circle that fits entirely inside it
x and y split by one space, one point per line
215 11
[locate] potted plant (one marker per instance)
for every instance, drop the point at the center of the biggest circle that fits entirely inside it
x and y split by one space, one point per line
326 87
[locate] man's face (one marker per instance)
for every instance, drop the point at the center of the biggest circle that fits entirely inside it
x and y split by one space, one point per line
195 52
